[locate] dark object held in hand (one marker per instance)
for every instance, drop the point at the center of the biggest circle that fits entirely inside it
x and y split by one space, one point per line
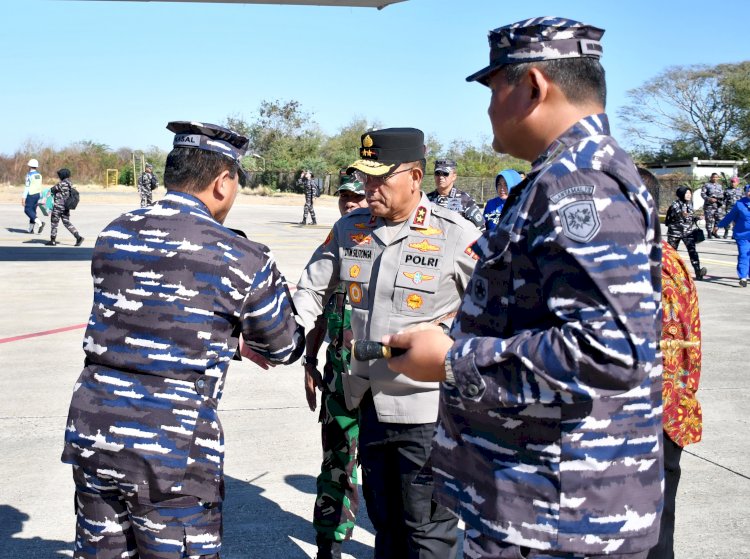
364 350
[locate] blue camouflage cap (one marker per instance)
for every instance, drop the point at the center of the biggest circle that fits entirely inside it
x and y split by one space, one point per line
210 137
445 165
538 39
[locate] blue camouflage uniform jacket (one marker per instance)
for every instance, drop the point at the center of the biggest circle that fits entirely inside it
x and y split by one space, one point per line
551 435
173 290
460 202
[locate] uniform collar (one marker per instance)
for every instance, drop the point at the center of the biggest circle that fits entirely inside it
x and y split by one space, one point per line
185 199
592 125
419 219
451 193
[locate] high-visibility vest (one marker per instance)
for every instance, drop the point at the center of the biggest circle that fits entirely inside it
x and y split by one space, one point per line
34 182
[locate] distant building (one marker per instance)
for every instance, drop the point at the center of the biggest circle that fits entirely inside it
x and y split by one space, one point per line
698 169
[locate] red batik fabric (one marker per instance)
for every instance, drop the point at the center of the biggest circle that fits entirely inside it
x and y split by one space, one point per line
683 419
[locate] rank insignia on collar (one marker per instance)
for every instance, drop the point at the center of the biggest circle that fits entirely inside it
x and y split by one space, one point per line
420 216
361 225
373 221
424 246
329 238
418 277
470 251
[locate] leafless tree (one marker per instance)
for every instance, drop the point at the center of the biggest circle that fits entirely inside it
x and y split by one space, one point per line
688 104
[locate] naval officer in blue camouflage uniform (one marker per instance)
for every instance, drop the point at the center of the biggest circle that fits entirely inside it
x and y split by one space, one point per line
174 293
549 437
448 196
404 261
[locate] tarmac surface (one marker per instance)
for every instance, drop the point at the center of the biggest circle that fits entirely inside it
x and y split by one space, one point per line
272 439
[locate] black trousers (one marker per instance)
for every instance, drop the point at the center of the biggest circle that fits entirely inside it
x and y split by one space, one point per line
408 523
689 246
665 548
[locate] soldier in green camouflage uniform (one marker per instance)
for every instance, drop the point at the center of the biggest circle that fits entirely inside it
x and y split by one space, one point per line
337 498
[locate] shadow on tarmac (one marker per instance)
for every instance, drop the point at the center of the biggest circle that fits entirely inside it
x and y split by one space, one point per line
11 522
256 527
722 280
22 231
59 253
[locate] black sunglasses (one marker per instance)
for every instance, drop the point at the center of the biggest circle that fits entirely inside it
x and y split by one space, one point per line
441 173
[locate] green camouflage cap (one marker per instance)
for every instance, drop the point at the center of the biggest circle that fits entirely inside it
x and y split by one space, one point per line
350 183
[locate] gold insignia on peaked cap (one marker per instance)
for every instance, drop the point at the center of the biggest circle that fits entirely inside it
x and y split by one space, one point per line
385 149
372 168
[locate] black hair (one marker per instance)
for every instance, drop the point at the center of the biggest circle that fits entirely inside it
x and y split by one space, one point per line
191 170
580 79
63 174
421 163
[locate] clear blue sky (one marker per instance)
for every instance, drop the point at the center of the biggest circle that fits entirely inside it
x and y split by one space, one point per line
116 72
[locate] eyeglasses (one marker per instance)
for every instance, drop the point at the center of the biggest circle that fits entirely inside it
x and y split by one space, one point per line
441 173
371 180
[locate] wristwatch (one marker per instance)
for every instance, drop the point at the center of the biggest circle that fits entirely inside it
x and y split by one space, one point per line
307 360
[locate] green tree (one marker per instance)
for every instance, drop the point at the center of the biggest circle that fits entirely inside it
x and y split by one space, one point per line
689 107
284 135
343 148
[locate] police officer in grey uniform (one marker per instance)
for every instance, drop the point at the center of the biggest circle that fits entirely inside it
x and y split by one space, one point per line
174 293
448 196
549 437
404 261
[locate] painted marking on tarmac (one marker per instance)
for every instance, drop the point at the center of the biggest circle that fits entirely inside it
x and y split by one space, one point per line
719 262
45 333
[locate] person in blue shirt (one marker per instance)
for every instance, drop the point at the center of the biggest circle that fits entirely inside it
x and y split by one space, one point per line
504 182
740 216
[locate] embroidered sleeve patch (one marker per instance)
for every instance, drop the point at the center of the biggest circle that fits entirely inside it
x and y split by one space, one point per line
580 220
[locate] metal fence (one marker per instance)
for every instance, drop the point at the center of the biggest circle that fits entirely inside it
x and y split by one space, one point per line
480 188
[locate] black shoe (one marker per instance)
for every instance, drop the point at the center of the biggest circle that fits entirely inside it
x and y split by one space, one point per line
314 223
700 274
743 283
41 227
725 236
328 549
79 240
303 223
51 243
